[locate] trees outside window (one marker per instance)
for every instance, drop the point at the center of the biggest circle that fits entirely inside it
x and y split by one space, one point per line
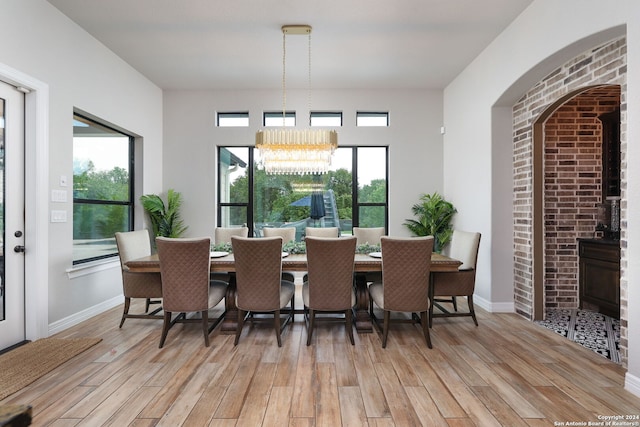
353 192
102 188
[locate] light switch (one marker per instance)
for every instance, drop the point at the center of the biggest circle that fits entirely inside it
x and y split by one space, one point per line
58 216
59 196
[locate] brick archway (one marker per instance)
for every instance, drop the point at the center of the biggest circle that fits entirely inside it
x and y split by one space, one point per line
558 93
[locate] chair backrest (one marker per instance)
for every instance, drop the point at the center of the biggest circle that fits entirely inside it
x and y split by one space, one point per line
330 272
322 232
287 233
223 234
406 265
184 268
464 246
258 265
368 235
132 245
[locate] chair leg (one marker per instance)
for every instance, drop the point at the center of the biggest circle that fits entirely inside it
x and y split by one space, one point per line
349 321
239 326
471 309
425 328
127 304
454 301
385 328
312 318
146 305
205 326
165 327
276 324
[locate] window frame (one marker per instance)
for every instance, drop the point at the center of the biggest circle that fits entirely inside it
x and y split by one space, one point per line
372 114
232 114
249 204
130 203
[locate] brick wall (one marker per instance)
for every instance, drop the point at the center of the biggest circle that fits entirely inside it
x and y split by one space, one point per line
572 188
569 199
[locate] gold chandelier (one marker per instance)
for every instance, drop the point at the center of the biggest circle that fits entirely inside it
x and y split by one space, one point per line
295 151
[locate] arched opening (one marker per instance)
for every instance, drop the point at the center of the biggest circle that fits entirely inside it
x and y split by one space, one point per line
568 188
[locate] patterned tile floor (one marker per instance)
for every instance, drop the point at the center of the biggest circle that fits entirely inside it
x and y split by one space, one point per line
592 330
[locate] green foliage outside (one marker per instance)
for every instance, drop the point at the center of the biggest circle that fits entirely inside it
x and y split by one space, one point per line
96 221
274 195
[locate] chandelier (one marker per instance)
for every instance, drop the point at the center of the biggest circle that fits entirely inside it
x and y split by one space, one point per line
295 151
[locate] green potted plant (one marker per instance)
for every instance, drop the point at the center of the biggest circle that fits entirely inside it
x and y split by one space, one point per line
165 219
434 216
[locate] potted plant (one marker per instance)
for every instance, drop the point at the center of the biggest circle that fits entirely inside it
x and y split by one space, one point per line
434 216
165 219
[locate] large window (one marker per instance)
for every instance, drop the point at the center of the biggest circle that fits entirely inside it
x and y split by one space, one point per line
102 188
354 192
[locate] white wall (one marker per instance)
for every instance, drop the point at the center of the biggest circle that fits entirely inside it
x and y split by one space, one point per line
40 42
476 107
191 138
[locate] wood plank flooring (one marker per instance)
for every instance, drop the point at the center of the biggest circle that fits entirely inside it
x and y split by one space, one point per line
506 372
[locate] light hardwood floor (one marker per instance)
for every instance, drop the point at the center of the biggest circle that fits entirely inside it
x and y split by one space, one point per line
507 372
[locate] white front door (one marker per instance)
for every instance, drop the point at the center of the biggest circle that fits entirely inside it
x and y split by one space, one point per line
12 298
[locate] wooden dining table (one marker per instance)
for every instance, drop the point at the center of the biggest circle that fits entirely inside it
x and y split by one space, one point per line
363 263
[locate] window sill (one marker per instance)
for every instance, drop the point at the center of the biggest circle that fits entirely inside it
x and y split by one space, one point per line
92 268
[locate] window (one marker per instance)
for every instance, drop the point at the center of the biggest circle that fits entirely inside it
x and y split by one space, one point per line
326 118
275 119
102 188
354 191
233 119
372 119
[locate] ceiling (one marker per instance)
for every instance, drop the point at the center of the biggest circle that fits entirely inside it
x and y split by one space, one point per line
238 44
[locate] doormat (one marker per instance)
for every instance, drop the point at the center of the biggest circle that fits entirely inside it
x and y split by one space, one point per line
592 330
27 363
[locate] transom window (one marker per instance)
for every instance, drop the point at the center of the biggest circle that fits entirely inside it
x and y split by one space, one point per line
369 118
274 118
102 188
238 119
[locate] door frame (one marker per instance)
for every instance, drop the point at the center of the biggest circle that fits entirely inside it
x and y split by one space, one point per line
36 187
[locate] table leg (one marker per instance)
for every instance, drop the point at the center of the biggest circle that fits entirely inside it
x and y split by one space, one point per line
230 322
362 317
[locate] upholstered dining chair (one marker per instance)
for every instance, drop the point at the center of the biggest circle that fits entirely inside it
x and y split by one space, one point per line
329 285
259 284
184 267
464 246
223 234
406 265
132 245
322 232
288 234
368 235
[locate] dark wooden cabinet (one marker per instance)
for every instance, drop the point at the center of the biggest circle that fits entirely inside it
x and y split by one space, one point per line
599 275
610 154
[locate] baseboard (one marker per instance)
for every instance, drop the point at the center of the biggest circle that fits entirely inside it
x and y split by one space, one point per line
632 384
494 307
83 315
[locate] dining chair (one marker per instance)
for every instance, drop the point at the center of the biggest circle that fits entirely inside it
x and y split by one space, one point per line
259 284
186 287
329 285
406 264
288 234
223 234
133 245
368 235
322 231
464 247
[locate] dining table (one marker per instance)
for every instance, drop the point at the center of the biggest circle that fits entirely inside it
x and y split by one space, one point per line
223 262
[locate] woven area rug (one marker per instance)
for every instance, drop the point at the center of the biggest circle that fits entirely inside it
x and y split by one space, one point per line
27 363
592 330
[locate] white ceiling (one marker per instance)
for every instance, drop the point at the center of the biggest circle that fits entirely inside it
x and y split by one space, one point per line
237 44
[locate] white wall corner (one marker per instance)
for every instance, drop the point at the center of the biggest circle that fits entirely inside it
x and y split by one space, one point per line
632 384
494 307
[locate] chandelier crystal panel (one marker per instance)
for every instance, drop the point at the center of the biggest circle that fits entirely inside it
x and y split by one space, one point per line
295 151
